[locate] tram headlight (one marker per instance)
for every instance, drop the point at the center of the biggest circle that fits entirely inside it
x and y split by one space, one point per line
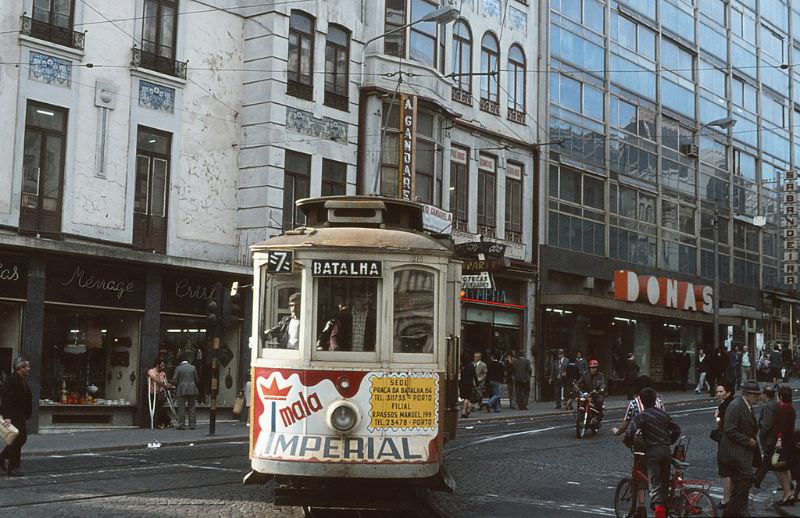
343 417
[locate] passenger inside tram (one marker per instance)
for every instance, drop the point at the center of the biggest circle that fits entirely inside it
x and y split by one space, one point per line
287 330
351 325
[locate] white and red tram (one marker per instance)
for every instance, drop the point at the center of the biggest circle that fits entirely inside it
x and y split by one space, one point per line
355 351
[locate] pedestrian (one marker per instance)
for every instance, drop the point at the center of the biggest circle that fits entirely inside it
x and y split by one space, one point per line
766 433
570 391
467 385
522 380
658 432
481 371
784 443
157 392
559 375
636 407
16 406
725 393
494 376
775 364
509 377
716 367
786 369
746 362
739 447
683 362
186 392
702 372
580 363
631 374
735 362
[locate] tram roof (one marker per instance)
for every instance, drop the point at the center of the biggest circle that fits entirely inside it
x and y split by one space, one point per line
358 222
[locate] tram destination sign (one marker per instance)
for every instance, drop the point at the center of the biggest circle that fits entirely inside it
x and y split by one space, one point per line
346 268
280 261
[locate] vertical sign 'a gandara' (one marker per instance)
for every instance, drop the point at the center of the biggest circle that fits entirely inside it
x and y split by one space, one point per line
791 252
408 124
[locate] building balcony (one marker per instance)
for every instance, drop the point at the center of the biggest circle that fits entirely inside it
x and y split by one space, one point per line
486 230
490 106
516 116
461 96
513 236
52 33
150 61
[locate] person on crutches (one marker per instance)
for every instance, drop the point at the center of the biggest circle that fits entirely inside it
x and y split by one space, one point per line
156 395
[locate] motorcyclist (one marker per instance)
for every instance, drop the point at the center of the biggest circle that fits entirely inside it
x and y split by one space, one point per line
594 382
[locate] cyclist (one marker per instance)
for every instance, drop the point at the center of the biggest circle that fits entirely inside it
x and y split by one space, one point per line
639 471
593 381
658 431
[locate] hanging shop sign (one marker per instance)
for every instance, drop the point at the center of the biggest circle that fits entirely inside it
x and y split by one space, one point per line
94 284
346 268
481 280
791 243
661 291
436 220
476 248
493 264
13 276
408 128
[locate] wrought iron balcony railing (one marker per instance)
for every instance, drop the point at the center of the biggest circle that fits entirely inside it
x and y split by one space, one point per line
52 33
143 59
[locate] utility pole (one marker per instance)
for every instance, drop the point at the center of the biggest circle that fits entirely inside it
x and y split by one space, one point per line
216 327
715 299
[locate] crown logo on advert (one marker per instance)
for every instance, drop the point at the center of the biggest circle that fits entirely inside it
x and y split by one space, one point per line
270 391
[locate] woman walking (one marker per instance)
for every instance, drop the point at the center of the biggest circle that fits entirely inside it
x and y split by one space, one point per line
467 385
702 372
724 395
784 433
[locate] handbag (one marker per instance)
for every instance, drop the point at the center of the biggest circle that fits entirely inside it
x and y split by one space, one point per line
238 405
8 432
778 461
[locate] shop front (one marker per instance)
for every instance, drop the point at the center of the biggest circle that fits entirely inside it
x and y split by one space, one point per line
492 319
13 284
186 334
90 361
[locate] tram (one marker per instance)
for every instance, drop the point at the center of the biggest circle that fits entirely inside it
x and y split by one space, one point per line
355 354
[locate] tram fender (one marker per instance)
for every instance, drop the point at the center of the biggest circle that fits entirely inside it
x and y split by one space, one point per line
255 478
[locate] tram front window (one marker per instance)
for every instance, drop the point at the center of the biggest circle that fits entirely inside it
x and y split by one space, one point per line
280 317
346 314
414 295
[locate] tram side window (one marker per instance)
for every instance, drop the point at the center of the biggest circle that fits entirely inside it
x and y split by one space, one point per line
346 314
280 317
414 293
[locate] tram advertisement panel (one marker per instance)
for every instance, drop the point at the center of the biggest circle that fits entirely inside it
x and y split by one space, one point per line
398 416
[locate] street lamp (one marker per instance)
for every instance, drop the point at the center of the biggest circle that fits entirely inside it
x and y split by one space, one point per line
724 123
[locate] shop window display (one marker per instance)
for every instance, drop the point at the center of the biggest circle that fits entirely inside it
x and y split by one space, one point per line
186 338
90 357
10 329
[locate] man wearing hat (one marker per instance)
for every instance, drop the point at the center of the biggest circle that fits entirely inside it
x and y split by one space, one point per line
738 449
16 408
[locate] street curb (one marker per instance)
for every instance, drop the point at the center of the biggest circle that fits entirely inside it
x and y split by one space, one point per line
137 446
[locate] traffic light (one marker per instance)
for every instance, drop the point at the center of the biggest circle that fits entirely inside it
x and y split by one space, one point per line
214 308
231 305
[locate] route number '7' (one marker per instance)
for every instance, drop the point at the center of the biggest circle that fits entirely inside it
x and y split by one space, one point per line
279 262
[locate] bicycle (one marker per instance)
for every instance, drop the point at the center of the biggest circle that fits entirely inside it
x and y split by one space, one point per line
686 497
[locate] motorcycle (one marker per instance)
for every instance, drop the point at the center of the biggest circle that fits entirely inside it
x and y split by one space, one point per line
587 416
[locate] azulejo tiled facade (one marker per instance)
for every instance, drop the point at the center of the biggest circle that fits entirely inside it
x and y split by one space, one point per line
50 69
156 97
304 122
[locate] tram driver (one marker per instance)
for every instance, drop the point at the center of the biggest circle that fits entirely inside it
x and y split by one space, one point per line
288 328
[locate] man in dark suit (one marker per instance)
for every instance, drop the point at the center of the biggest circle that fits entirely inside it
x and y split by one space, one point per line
738 449
558 373
17 404
186 391
522 379
766 433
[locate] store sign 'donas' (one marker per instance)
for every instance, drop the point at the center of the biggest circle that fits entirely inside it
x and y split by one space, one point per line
661 291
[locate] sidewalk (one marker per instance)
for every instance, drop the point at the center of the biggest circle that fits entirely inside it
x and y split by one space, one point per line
63 441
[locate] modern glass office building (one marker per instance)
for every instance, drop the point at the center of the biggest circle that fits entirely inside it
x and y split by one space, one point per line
644 94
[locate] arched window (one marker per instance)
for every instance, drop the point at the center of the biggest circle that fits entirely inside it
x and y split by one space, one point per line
516 84
337 57
301 56
490 70
462 59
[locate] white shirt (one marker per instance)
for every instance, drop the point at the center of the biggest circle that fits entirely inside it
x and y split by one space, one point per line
294 334
746 359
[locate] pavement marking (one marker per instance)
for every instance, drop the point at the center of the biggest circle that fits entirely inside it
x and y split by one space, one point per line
573 483
505 436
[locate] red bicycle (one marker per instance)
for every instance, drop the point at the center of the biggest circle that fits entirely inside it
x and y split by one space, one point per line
686 497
